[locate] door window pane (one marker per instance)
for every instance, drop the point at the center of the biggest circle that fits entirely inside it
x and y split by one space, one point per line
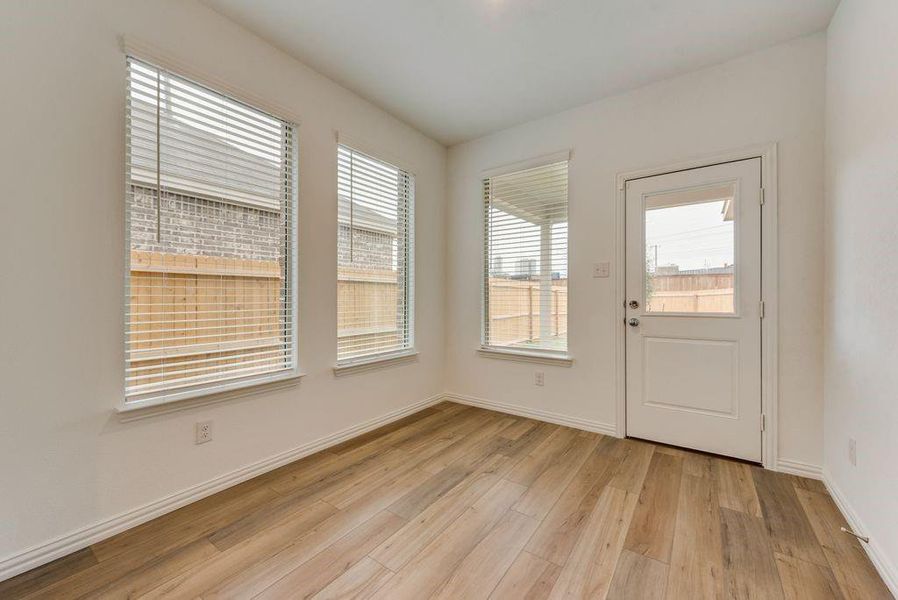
689 250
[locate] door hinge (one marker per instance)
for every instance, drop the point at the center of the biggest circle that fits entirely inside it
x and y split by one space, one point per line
763 422
761 309
761 197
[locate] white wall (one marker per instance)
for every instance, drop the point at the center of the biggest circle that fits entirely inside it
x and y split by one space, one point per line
861 315
66 460
773 95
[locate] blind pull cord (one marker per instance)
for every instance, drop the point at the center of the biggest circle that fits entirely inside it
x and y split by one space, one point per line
351 208
158 160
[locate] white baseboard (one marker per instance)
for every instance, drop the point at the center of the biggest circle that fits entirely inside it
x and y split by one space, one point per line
66 544
802 469
884 566
532 413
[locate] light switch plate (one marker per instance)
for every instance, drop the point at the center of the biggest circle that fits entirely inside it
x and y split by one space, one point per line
601 269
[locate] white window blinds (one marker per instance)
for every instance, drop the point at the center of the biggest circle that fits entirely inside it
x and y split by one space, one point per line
525 275
375 257
210 208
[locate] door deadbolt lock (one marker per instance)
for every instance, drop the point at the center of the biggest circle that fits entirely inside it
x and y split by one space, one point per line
633 322
633 304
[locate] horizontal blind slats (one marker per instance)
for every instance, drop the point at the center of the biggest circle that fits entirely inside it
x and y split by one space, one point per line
525 259
211 187
375 254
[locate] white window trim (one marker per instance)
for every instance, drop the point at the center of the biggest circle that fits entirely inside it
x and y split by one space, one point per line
544 357
374 151
390 357
530 163
376 362
155 404
547 357
138 48
141 409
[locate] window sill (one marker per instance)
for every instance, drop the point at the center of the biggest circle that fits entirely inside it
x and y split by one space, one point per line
546 358
150 407
375 362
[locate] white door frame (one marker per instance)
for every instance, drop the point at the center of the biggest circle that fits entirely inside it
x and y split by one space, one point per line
769 286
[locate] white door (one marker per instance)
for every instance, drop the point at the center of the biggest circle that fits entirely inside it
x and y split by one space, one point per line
694 307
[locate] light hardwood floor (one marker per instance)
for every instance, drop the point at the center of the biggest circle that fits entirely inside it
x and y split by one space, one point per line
460 502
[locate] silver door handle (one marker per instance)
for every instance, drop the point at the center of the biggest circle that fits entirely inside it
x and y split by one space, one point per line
633 322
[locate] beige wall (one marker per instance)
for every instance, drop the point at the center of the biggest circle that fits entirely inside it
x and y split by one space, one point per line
773 95
67 462
72 462
861 317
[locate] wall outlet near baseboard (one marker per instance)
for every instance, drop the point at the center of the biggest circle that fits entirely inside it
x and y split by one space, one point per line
852 452
539 378
203 432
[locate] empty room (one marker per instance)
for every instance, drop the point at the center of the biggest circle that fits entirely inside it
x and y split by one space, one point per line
473 299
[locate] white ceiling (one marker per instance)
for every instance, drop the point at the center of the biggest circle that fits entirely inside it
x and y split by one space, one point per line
458 69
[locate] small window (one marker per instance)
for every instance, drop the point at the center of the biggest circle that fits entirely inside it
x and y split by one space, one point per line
210 209
375 258
690 250
525 283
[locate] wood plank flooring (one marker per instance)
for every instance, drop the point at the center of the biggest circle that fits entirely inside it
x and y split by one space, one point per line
461 502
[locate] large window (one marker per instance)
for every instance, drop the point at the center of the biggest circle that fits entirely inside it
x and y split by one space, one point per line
525 268
375 258
210 205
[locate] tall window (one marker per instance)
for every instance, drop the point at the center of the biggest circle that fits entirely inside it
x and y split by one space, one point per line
525 260
210 205
375 257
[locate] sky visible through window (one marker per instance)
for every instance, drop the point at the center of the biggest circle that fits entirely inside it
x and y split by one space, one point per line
691 236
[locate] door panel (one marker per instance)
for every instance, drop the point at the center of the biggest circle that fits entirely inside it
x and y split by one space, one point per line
699 376
693 290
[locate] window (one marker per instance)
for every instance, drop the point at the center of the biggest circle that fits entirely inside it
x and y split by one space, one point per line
525 260
690 250
375 257
210 205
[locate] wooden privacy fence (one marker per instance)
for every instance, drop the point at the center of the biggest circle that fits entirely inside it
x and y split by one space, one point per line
200 316
514 310
368 311
691 292
711 301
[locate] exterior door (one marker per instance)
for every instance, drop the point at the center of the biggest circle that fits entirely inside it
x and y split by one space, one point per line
693 311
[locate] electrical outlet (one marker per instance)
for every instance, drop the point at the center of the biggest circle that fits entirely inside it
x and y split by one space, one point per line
852 452
203 432
539 378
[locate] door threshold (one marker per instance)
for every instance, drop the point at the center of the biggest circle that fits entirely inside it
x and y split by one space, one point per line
696 451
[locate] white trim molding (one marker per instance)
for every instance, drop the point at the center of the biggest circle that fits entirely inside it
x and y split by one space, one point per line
769 287
145 51
530 163
36 556
143 409
886 569
374 150
532 413
797 467
559 360
375 363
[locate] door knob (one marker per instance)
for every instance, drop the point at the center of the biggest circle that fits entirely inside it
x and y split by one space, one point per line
633 322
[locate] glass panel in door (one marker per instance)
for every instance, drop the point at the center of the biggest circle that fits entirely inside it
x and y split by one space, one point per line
690 264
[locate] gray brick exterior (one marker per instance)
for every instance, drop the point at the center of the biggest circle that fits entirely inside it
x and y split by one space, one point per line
203 227
372 249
